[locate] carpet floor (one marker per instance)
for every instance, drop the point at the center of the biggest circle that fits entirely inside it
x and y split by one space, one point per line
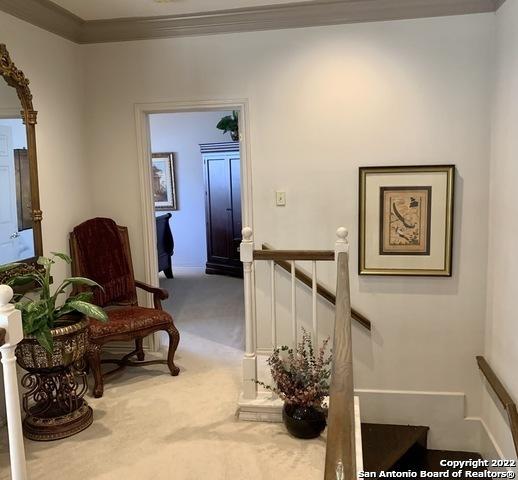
208 306
149 425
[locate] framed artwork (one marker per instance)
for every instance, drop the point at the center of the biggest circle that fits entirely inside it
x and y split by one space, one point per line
406 220
164 183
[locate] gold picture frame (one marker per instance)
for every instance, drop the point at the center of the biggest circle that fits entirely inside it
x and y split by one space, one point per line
406 220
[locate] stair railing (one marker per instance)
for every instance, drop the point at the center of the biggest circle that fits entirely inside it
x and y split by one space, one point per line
11 334
322 290
249 256
504 397
341 439
341 436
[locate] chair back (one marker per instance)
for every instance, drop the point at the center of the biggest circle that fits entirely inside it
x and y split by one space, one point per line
164 236
100 250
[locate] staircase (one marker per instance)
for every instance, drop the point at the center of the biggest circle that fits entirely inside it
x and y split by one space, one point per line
350 450
404 447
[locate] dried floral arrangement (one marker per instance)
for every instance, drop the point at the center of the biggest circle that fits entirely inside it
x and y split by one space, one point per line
301 376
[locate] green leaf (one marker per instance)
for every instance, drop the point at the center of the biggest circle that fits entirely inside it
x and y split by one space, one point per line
67 308
44 261
89 310
45 339
63 256
82 297
81 281
25 279
64 310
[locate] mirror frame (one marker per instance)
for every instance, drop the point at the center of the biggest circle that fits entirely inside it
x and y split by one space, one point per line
15 78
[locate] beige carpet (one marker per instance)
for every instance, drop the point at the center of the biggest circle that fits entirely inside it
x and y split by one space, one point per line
208 306
150 425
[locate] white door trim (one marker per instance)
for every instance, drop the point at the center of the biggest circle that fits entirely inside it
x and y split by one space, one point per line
142 112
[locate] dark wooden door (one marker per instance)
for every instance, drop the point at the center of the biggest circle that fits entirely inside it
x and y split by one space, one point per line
223 212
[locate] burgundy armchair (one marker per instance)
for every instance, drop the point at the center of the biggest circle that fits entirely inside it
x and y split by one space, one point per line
100 250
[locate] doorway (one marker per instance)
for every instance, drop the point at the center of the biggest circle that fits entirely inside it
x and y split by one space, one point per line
208 180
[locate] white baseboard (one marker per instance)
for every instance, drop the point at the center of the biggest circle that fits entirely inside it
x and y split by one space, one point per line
265 408
489 447
443 412
188 269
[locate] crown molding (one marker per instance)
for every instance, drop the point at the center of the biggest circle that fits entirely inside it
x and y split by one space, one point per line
51 17
47 15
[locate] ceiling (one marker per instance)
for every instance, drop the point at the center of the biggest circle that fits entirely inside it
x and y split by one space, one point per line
107 9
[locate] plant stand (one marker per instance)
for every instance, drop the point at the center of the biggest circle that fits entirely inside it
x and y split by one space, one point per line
56 383
54 406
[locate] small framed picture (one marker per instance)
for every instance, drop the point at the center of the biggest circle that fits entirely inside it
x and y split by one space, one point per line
406 220
164 183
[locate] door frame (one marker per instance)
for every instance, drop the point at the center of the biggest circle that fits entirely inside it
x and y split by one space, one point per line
142 112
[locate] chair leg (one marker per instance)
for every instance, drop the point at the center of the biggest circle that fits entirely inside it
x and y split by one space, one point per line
94 362
174 339
140 349
169 272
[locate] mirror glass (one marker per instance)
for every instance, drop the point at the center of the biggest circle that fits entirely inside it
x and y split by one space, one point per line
16 224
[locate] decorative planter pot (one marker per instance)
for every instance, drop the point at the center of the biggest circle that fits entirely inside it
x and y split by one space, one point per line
234 136
304 422
56 383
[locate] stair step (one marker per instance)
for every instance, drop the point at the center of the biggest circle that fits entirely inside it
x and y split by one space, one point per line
384 446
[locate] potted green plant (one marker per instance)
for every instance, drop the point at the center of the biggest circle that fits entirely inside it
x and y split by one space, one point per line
230 123
301 378
52 351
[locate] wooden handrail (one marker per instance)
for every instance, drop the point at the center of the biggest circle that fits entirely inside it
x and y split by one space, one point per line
503 396
341 445
3 333
321 289
293 255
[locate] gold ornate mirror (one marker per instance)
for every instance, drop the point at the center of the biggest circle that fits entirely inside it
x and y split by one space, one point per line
20 214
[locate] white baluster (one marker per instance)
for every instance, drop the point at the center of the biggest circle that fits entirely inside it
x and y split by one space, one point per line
273 305
249 361
294 304
314 299
342 242
11 320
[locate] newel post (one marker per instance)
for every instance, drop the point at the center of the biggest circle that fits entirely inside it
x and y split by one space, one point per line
249 361
342 241
11 320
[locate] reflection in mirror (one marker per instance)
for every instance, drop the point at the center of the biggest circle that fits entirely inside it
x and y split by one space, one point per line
16 225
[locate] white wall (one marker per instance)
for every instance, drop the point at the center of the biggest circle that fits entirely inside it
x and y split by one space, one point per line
501 348
182 133
324 101
54 68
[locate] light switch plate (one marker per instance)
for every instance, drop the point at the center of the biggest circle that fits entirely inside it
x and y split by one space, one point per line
280 199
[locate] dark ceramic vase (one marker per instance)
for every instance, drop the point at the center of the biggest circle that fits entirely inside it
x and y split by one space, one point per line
304 422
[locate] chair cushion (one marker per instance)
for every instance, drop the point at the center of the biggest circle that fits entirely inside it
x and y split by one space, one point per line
128 319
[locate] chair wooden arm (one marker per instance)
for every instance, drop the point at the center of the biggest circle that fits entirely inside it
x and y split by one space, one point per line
159 294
